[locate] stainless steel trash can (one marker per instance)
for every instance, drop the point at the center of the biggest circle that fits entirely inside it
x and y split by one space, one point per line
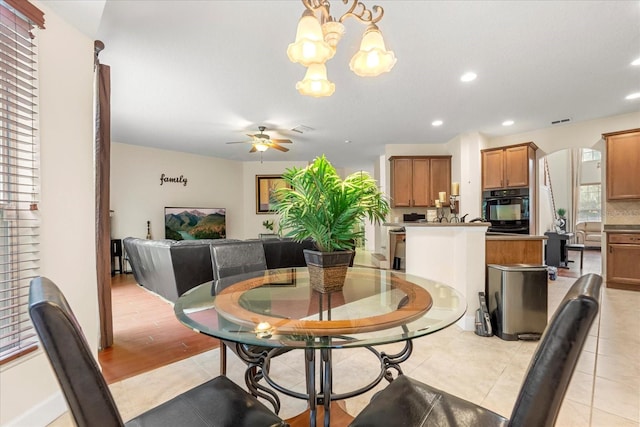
517 300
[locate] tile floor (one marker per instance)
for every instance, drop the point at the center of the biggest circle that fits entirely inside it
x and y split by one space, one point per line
604 391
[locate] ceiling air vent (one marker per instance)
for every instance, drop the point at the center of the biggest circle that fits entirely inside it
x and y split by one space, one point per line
558 122
302 129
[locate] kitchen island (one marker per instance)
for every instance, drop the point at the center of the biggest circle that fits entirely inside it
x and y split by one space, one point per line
506 248
451 253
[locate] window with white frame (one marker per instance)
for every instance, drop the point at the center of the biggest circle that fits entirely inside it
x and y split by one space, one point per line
19 168
589 155
589 205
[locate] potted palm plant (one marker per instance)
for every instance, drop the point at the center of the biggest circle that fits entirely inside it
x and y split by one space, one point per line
320 206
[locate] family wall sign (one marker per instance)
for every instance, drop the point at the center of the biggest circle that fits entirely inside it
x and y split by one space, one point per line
177 180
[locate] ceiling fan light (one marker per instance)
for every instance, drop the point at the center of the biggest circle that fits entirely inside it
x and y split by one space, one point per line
260 146
315 82
309 47
373 58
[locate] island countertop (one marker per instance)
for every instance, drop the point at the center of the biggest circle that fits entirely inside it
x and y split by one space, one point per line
621 228
436 224
513 236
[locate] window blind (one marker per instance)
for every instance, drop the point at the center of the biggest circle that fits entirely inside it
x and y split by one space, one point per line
19 183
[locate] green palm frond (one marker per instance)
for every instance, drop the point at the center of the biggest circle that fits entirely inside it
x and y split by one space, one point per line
321 206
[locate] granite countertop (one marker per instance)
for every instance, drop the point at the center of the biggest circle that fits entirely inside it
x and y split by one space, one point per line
513 236
436 224
621 228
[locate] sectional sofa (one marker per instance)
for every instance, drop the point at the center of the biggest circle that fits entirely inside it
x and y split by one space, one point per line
170 268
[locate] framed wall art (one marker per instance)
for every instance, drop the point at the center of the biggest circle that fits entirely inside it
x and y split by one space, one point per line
266 185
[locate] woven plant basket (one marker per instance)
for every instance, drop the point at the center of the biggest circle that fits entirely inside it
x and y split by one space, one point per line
327 270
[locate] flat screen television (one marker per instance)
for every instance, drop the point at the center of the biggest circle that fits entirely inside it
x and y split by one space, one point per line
194 223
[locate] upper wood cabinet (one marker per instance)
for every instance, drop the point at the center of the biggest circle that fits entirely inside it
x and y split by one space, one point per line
416 181
623 165
508 167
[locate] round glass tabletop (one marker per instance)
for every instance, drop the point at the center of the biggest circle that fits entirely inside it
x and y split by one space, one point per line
278 308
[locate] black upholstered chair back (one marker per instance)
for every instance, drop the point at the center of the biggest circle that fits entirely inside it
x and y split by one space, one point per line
82 383
237 258
555 359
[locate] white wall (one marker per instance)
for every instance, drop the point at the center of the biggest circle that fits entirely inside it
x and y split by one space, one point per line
560 172
29 394
574 135
466 169
138 197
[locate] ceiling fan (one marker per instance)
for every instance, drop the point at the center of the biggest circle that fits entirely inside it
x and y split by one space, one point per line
262 142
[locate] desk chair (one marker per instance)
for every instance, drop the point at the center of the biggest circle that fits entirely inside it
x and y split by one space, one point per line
407 402
216 403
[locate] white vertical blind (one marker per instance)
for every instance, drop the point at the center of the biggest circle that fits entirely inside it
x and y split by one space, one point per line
19 184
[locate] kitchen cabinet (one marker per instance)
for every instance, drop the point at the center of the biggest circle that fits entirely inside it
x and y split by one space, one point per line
623 254
623 165
508 167
417 180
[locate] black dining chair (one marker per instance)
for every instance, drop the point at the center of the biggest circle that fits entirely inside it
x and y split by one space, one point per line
216 403
230 260
408 402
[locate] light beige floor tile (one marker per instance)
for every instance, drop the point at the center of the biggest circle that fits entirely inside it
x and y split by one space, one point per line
620 369
605 419
573 414
617 398
580 388
619 348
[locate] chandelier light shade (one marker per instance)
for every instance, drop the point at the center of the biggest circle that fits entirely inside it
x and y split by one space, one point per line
310 46
373 58
315 82
317 39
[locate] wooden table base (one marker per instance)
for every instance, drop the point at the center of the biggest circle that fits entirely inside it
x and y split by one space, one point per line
339 417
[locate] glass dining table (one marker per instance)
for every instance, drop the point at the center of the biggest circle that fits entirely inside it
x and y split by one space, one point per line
267 313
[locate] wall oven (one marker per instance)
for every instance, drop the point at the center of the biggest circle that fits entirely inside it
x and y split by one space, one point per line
507 210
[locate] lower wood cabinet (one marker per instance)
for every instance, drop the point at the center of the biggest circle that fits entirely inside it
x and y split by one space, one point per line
623 261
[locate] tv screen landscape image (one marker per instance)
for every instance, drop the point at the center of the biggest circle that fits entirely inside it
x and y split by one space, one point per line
194 223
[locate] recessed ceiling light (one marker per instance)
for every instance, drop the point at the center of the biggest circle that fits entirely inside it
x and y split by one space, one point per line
508 123
636 62
633 96
347 141
468 77
436 123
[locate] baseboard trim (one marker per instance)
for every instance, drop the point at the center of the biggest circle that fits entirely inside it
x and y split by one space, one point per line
42 414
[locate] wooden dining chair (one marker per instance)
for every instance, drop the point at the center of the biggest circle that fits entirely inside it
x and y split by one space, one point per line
408 402
216 403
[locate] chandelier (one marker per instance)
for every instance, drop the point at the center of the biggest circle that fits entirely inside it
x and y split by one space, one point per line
317 38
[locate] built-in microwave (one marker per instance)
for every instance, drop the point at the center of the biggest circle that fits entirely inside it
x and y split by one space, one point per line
507 210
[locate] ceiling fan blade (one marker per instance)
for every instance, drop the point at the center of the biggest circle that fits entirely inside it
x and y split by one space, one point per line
282 141
238 142
253 149
277 147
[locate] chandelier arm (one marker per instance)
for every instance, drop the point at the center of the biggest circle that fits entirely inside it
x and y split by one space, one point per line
321 6
359 11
